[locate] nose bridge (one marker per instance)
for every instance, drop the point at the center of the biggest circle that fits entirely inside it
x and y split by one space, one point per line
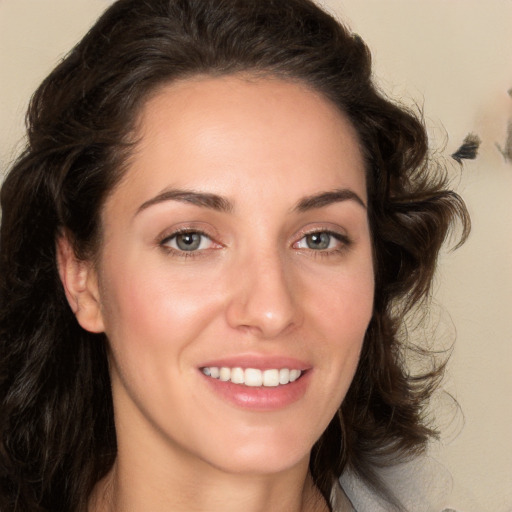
263 300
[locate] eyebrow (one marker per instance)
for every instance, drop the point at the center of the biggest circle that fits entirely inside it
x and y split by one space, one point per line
327 198
222 204
206 200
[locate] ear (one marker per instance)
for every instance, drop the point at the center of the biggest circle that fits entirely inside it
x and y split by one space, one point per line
80 282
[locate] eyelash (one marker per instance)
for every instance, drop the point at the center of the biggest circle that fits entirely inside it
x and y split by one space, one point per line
344 241
183 253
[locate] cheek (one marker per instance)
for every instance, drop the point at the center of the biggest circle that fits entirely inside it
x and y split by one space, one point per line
346 305
151 321
155 307
343 314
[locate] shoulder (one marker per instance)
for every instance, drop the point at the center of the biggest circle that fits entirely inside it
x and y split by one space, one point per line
421 485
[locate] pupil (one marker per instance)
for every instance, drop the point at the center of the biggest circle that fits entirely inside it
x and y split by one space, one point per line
318 241
188 241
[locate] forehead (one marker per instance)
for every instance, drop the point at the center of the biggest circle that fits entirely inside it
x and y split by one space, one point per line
234 135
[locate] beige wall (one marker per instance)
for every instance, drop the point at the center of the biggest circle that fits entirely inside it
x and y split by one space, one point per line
455 58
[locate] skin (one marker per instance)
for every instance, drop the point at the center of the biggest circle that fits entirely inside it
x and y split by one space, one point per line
256 287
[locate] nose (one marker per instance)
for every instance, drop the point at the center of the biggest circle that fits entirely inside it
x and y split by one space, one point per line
263 301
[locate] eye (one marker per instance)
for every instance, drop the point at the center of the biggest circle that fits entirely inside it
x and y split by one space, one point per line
322 241
188 241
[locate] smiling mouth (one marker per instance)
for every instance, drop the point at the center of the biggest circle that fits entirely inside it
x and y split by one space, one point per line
253 377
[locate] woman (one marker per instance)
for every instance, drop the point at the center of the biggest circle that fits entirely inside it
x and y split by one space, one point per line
207 251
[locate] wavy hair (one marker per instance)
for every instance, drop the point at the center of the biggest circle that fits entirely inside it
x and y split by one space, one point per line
57 435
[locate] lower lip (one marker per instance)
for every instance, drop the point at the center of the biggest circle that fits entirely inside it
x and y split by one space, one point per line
260 398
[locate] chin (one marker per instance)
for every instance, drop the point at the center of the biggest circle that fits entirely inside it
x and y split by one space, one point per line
263 454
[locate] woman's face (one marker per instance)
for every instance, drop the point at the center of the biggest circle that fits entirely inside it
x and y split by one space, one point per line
236 255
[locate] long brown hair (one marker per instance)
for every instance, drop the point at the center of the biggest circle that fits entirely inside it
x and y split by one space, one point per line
57 435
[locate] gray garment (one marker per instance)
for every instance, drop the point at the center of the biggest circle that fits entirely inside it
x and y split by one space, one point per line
421 485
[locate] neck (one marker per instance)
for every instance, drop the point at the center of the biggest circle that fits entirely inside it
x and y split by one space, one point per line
291 491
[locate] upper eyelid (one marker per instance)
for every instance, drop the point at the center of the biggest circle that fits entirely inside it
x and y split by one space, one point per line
311 230
192 227
338 236
322 230
184 231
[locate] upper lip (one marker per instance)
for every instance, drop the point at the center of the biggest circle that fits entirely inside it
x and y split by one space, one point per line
257 361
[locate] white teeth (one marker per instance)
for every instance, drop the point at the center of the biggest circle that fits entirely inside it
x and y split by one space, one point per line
294 375
237 376
284 376
271 378
253 377
225 374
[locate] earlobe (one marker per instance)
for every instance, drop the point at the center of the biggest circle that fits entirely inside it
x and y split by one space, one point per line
80 282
